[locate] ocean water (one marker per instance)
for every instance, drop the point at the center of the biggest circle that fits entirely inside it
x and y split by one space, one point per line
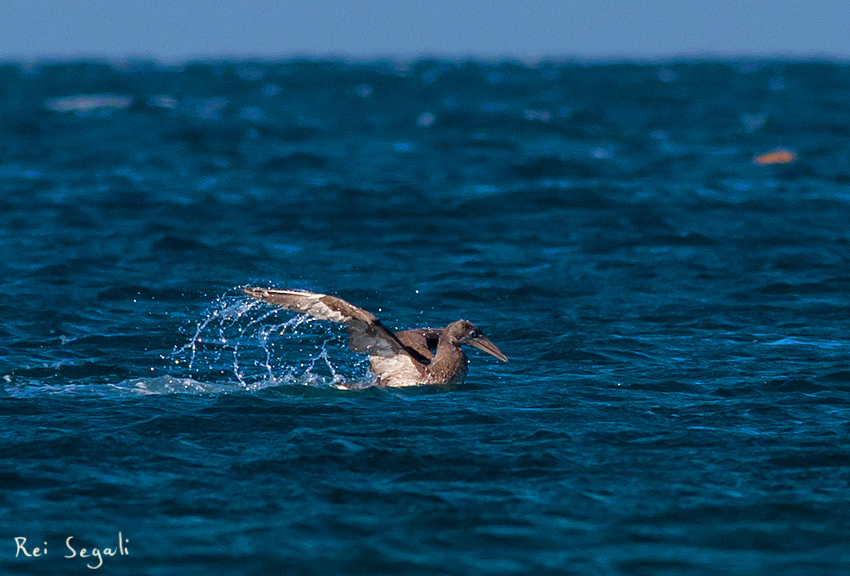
677 399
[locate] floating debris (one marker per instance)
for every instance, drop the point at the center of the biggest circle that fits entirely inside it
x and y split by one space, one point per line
777 156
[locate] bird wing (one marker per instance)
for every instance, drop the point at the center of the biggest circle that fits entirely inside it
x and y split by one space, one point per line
366 334
422 340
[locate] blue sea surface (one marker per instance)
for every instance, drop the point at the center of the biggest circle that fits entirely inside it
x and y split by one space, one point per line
677 399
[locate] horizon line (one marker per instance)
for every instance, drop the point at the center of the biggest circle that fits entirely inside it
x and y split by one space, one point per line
425 56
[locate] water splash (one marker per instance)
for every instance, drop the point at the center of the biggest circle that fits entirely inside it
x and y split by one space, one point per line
259 346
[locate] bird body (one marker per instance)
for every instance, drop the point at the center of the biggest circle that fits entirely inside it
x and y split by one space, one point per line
422 356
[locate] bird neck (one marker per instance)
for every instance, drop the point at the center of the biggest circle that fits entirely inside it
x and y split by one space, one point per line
449 362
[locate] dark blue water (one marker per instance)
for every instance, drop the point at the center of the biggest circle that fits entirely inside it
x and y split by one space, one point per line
678 396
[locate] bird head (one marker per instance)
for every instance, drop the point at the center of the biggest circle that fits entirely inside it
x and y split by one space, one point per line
468 334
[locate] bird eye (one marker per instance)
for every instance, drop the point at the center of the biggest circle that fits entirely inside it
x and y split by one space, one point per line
475 334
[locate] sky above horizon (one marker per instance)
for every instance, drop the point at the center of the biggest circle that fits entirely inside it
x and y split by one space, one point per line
367 29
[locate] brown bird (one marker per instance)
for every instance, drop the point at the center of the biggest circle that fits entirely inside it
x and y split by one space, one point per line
422 356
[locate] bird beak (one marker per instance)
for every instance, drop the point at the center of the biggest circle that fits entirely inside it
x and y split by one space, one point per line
484 344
